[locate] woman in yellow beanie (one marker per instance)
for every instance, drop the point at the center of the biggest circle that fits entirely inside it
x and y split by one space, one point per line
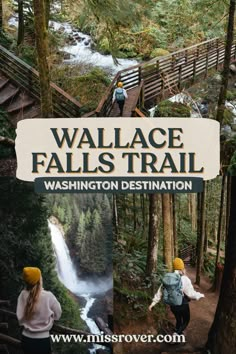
120 95
36 311
177 290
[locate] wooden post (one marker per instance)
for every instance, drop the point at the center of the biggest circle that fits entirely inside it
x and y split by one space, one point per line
194 69
186 56
207 60
180 77
139 74
218 54
173 60
162 87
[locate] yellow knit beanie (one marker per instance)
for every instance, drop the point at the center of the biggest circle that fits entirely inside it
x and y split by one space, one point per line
178 264
31 275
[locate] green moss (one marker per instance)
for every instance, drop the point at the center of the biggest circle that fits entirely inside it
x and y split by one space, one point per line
88 87
231 95
104 46
159 52
172 109
228 117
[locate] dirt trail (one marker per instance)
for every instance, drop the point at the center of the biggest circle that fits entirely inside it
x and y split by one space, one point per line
202 314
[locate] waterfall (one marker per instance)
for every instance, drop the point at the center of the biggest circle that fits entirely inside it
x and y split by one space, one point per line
66 270
68 276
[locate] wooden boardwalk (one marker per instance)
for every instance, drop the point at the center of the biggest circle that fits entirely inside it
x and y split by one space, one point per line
164 77
17 102
146 83
20 91
130 104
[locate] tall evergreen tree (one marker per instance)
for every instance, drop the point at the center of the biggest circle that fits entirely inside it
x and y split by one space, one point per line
41 36
226 70
222 338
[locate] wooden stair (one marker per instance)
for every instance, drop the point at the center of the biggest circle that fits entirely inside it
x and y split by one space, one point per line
17 102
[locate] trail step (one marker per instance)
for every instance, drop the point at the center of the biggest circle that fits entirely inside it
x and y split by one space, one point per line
33 112
3 82
7 93
20 103
28 112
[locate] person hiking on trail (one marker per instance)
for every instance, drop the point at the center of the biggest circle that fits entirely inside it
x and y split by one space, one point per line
36 311
176 291
119 96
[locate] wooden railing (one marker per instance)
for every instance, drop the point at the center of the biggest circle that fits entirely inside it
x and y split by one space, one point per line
6 339
25 76
165 75
188 254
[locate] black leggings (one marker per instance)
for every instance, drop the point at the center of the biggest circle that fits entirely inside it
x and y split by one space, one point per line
121 106
182 316
36 345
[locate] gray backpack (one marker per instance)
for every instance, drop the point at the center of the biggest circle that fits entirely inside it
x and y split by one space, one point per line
172 289
120 94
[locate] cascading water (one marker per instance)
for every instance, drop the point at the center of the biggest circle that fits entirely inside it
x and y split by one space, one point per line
81 52
69 278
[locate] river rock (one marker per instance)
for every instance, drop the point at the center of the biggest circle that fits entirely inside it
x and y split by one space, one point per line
61 29
77 37
86 43
102 306
233 68
66 56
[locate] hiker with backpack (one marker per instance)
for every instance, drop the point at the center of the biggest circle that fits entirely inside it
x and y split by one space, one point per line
176 291
119 96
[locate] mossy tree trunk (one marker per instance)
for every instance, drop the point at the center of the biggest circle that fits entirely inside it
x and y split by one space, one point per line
222 335
200 234
226 70
153 235
175 239
168 230
47 12
219 231
21 25
41 36
115 216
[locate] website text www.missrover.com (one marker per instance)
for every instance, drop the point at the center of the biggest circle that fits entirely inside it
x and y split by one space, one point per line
118 338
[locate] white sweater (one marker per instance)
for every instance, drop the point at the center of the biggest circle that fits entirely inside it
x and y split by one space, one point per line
47 309
188 290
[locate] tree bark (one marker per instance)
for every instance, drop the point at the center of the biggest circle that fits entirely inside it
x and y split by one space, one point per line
193 211
41 37
200 233
219 230
134 211
115 215
222 335
228 205
153 235
168 230
47 12
226 70
21 25
175 240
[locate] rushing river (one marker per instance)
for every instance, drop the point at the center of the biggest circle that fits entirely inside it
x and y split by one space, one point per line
81 50
68 276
